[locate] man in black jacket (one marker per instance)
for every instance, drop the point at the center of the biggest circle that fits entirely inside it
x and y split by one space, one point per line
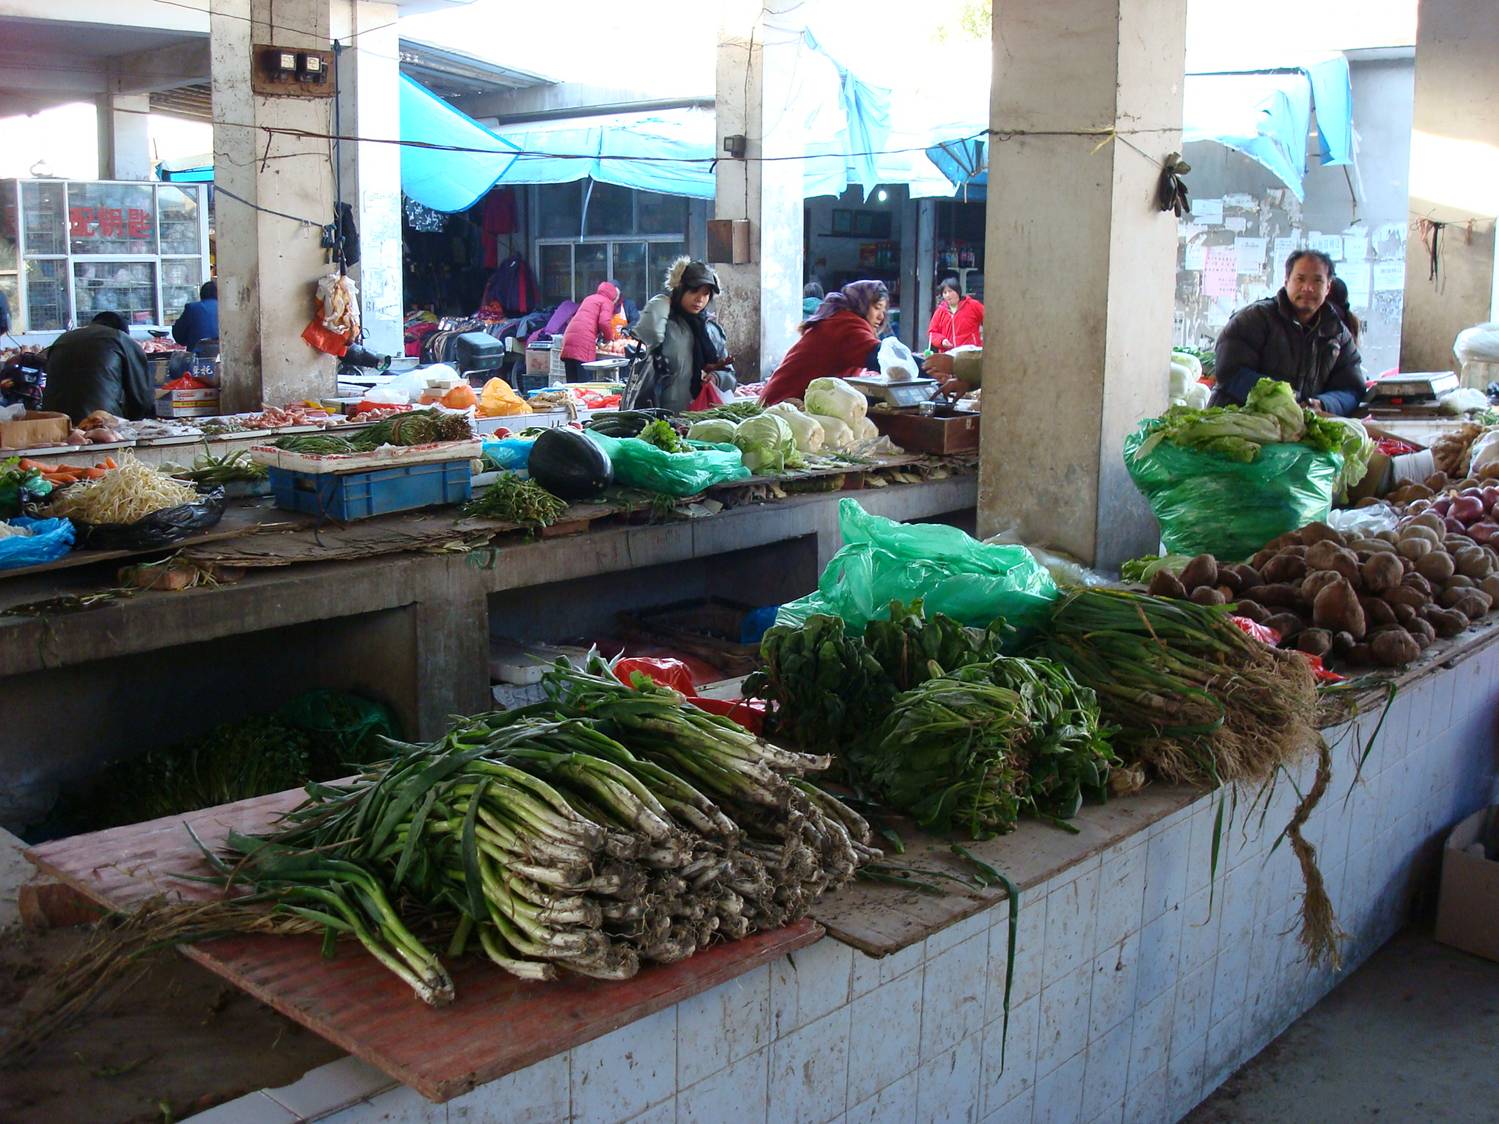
98 367
1296 337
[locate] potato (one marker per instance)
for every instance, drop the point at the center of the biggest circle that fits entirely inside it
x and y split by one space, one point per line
1381 573
1374 546
1260 557
1327 555
1490 585
1314 533
1472 562
1437 480
1251 610
1460 581
1436 566
1418 531
1416 581
1430 520
1314 641
1228 578
1284 568
1394 648
1337 608
1447 622
1407 595
1279 596
1422 631
1473 604
1377 613
1387 536
1404 614
1415 548
1280 542
1202 570
1342 643
1166 584
1453 543
1207 595
1248 576
1316 581
1285 625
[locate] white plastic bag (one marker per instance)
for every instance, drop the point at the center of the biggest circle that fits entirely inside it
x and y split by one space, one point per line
1480 343
1065 570
1363 522
1462 400
896 361
1485 451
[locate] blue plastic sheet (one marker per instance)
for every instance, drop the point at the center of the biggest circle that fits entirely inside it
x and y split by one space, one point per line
49 540
508 453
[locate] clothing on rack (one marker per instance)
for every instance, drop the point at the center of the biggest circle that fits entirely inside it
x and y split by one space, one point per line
499 219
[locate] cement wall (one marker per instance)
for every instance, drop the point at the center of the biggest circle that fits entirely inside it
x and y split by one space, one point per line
1141 980
1454 178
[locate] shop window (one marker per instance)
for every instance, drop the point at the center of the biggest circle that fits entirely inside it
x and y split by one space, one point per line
12 290
126 287
180 279
111 218
611 211
46 220
46 295
177 220
631 266
556 273
590 267
660 214
561 209
662 255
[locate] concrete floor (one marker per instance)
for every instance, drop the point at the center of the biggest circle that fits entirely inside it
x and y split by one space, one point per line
1413 1035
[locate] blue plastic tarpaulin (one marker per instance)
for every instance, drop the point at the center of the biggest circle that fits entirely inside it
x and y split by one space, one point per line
439 177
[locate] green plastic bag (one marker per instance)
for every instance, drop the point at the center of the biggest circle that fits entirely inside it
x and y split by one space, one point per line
349 722
953 573
639 464
1207 504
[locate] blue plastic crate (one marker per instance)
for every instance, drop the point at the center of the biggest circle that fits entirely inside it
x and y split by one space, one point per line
346 496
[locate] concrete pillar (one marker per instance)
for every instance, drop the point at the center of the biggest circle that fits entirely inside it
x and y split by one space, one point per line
1454 179
369 105
761 300
124 136
268 265
912 319
1080 267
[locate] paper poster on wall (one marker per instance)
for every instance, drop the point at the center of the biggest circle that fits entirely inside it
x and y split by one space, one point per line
1329 244
1356 276
1195 256
1255 292
1389 276
1356 246
1235 223
1282 250
1249 254
1389 240
1220 273
1240 199
1208 212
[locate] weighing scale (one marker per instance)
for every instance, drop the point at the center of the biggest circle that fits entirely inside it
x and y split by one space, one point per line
901 392
1420 388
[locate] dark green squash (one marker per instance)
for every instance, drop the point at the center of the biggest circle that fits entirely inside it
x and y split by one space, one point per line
569 465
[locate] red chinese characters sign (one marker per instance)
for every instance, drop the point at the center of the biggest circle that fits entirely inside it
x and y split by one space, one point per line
113 223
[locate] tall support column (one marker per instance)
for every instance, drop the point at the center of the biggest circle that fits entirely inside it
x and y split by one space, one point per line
1454 180
370 106
269 264
760 304
1080 267
124 136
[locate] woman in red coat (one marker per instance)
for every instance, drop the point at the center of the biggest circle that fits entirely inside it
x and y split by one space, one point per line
593 320
958 321
840 338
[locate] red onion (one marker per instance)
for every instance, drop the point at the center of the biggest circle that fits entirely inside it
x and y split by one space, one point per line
1490 498
1455 526
1467 509
1441 505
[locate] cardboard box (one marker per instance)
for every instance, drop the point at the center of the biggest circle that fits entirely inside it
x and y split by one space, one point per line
1468 908
538 360
37 427
187 403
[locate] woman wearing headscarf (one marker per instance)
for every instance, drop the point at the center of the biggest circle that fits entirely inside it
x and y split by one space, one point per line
676 327
840 338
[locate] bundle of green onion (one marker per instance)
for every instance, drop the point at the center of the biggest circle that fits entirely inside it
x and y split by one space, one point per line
601 828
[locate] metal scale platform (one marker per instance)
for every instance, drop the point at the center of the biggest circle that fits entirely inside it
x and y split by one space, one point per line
901 392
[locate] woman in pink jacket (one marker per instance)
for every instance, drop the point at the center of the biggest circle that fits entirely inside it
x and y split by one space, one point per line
593 320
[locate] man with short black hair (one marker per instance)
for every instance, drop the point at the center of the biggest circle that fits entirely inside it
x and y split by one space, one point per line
1295 337
200 318
98 367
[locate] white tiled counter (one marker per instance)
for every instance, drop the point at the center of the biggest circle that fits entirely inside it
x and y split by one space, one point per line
1132 1000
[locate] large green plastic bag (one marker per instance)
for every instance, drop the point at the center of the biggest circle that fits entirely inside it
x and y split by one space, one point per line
953 573
639 464
1207 504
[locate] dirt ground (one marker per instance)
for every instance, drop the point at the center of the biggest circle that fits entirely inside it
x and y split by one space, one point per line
178 1041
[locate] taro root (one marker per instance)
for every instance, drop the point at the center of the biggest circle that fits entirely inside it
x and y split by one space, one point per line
1316 581
1342 643
1404 614
1408 595
1360 655
1381 573
1337 608
1394 647
1328 555
1421 631
1377 613
1314 641
1280 595
1436 566
1229 579
1251 611
1284 568
1248 576
1471 603
1207 595
1314 533
1447 622
1202 570
1166 584
1285 625
1260 557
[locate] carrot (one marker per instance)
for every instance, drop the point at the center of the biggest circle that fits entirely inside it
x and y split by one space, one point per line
61 478
26 464
95 473
109 462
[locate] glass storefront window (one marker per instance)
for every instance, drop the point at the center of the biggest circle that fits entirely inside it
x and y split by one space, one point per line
661 214
46 295
662 255
111 218
631 271
126 287
611 211
556 274
180 278
9 228
590 267
561 207
46 221
177 219
12 290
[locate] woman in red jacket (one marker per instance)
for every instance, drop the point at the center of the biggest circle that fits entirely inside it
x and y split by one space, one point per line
840 338
958 321
593 320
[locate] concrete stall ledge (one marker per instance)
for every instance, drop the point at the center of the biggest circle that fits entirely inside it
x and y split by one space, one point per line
1142 977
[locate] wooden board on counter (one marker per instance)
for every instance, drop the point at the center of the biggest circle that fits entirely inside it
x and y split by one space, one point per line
496 1025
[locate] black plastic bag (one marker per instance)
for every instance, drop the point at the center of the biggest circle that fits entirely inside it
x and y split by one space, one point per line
160 528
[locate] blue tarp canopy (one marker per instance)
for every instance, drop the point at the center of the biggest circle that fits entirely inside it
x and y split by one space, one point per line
465 162
1267 114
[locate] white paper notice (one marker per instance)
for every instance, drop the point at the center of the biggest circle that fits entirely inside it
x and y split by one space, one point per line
1282 250
1389 276
1356 247
1356 276
1208 212
1329 244
1250 254
1220 278
1239 200
1236 223
1195 257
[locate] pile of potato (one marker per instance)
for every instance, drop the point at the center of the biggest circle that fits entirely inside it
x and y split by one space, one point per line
1377 600
1434 486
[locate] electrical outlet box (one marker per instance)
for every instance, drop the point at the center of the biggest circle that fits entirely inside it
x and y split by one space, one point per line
729 241
291 72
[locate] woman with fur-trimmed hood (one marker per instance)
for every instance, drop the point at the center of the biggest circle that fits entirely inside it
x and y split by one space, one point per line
676 327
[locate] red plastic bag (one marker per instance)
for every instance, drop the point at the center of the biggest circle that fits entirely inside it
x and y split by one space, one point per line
665 671
1271 637
708 397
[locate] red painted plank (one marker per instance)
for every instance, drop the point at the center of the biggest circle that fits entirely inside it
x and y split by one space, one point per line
496 1025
